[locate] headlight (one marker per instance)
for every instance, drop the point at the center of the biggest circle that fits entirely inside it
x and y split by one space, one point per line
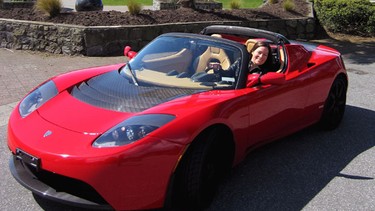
37 98
132 130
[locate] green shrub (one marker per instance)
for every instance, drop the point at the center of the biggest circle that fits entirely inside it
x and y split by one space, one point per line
235 4
370 28
134 7
273 1
288 5
49 7
347 16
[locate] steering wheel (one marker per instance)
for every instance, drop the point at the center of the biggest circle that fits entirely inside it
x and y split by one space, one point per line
209 69
213 66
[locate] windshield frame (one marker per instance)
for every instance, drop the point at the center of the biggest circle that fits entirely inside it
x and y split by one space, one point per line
238 47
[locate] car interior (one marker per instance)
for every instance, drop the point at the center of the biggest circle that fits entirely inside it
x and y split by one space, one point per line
218 55
212 54
190 61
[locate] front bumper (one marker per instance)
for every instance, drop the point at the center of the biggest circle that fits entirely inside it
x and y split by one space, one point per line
133 183
29 177
68 169
131 177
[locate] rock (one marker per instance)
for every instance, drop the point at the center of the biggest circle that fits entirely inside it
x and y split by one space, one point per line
89 5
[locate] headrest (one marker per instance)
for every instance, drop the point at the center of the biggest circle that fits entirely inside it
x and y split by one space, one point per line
215 50
250 44
216 35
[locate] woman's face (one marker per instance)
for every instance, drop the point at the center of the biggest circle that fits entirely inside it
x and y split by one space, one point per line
260 55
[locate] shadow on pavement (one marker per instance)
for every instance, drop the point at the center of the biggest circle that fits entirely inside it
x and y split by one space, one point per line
288 174
359 50
358 53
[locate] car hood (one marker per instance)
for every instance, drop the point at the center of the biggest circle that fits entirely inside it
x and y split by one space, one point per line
114 92
97 104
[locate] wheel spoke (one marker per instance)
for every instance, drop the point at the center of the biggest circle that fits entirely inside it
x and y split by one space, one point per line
341 91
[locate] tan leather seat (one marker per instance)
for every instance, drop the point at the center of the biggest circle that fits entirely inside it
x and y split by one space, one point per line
282 60
250 44
212 54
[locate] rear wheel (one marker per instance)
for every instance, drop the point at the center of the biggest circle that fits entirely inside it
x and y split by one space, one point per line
207 161
334 106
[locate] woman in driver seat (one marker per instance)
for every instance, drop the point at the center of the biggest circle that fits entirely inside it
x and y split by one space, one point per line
260 62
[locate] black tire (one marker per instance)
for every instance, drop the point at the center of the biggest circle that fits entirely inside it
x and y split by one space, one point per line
334 107
207 161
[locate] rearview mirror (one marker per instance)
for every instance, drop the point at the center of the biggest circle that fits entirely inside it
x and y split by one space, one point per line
129 53
273 78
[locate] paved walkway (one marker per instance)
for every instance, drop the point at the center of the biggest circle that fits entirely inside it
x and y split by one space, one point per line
21 71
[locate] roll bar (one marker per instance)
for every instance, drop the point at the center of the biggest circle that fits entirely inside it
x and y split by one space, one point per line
245 31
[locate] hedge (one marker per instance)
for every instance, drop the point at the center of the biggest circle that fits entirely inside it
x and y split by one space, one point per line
347 16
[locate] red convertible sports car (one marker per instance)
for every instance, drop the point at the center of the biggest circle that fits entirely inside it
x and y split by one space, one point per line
163 129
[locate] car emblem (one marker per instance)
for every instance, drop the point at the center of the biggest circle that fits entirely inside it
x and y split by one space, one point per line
47 133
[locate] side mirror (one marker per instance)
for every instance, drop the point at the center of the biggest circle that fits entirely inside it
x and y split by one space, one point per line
129 53
273 78
268 78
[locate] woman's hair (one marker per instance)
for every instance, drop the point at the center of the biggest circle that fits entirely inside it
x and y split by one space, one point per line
261 44
268 63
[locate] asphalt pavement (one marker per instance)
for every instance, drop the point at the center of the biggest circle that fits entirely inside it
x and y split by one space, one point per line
311 170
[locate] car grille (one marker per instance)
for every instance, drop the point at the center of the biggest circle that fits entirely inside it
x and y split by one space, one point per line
68 185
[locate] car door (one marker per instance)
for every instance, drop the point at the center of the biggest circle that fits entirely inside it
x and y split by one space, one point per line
277 110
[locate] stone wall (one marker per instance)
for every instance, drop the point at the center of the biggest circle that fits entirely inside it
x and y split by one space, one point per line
209 6
104 41
40 36
7 4
163 5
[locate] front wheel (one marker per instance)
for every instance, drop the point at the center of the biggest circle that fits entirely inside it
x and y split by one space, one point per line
207 161
334 106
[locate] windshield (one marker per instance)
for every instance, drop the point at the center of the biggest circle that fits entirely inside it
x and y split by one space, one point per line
185 62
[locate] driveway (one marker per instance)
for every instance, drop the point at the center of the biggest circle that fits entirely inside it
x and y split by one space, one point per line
310 170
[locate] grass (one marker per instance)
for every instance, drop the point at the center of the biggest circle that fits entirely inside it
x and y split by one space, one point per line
235 4
124 2
244 3
226 3
288 5
134 7
49 7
